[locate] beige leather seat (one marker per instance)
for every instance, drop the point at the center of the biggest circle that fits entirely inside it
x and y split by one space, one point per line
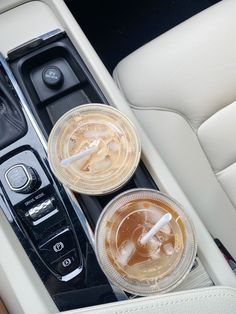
182 88
217 300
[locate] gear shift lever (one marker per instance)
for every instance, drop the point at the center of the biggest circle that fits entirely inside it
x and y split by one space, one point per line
12 121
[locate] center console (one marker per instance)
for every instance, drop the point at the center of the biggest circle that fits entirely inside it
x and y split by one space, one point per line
48 221
46 77
54 225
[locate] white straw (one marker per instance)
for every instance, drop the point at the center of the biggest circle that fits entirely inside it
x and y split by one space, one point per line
92 148
161 223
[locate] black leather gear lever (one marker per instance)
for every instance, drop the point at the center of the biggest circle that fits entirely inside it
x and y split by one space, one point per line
12 121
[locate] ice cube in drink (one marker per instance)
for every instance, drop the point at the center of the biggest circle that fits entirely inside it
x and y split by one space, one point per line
160 263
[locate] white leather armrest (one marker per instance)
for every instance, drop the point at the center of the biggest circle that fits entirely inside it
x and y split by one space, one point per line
217 300
24 23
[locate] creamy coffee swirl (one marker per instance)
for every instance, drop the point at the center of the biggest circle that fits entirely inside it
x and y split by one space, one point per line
114 158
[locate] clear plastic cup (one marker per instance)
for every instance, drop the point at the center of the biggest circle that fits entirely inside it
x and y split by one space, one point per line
94 149
157 266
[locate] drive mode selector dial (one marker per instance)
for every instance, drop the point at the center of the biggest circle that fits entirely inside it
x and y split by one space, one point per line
22 178
52 76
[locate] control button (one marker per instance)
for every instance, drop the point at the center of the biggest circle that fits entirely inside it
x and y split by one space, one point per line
52 76
22 178
17 177
42 211
67 263
57 246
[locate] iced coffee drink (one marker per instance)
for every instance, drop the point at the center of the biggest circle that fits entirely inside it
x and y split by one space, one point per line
94 149
144 242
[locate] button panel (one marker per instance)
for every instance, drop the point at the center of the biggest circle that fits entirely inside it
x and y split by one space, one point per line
57 246
40 210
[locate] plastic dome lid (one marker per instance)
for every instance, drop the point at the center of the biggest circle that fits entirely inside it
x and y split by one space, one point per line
163 262
94 149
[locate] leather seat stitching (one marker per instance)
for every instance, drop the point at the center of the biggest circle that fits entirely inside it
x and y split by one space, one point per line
217 171
223 108
190 122
117 80
165 110
198 298
182 116
225 191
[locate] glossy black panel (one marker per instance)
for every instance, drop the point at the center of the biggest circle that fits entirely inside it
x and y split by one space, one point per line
12 121
30 151
89 287
49 104
93 205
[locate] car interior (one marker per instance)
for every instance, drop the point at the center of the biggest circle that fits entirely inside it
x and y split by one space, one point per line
167 69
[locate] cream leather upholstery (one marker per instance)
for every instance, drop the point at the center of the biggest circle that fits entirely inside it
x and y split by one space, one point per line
20 287
21 23
182 87
217 300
